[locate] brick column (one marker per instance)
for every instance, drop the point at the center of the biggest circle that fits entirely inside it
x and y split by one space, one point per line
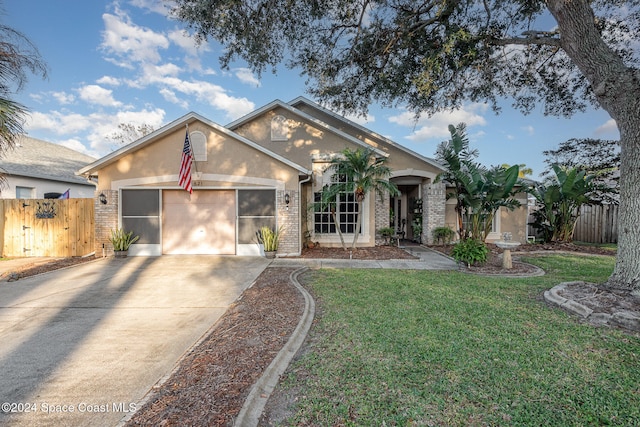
106 219
382 209
289 219
434 198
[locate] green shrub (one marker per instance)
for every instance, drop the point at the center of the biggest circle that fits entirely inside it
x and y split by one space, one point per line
386 231
443 235
470 251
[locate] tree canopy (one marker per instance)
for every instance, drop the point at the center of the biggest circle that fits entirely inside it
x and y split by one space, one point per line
433 55
428 55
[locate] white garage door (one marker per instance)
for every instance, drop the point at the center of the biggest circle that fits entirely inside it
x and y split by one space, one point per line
199 223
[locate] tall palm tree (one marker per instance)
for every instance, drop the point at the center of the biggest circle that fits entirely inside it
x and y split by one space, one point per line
362 173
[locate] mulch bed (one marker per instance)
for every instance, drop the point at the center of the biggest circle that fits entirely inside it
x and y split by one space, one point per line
378 252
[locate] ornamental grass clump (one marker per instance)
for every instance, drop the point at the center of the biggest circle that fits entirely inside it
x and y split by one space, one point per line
121 240
269 238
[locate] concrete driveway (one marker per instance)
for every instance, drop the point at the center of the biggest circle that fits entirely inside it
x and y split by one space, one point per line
82 346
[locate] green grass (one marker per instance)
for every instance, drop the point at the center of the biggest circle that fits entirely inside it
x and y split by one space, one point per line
610 246
451 349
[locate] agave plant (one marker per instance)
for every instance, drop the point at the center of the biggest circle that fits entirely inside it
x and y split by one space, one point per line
269 238
122 240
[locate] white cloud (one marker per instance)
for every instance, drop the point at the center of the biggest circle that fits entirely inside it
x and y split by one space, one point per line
246 76
108 80
152 5
171 97
75 144
58 123
130 42
187 43
212 94
153 73
608 128
529 130
63 97
94 94
89 133
437 126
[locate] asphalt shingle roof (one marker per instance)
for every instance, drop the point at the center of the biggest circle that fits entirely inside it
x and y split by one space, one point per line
40 159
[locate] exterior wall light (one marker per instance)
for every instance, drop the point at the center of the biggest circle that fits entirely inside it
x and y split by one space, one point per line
103 198
287 200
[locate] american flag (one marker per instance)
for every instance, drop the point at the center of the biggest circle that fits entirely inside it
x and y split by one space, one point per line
184 178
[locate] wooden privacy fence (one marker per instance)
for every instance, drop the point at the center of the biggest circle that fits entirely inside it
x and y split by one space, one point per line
47 227
597 224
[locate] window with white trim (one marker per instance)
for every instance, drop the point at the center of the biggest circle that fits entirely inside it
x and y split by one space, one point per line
495 222
198 146
24 192
346 211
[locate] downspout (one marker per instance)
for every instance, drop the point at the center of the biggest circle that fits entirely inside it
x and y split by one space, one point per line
300 235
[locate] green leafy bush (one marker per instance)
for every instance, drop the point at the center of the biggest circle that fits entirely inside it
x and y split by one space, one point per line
470 251
443 235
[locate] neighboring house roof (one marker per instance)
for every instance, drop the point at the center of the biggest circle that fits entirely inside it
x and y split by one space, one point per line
277 103
302 100
35 158
184 120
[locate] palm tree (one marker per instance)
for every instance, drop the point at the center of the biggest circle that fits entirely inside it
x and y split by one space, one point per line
524 170
361 172
17 56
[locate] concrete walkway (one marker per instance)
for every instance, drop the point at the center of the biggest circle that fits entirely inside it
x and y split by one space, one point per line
83 345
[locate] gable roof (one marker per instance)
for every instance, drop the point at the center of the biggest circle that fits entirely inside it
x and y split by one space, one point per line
35 158
184 120
302 100
277 103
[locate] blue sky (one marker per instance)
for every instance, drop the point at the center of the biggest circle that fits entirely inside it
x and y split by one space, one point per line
126 62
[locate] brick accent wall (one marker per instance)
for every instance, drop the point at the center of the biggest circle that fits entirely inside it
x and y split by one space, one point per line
289 218
106 219
433 209
382 210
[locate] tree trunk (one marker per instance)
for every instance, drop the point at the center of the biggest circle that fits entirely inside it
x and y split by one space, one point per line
617 89
358 224
335 222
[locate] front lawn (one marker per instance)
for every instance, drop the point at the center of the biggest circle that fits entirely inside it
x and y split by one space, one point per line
451 349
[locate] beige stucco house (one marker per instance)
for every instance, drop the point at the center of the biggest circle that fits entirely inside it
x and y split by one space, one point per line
264 169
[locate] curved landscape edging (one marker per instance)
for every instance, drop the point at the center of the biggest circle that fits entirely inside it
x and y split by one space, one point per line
251 411
624 319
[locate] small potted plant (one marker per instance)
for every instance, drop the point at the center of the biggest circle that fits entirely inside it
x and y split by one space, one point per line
121 240
269 239
386 233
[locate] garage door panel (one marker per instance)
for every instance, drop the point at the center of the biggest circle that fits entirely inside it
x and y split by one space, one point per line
200 223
